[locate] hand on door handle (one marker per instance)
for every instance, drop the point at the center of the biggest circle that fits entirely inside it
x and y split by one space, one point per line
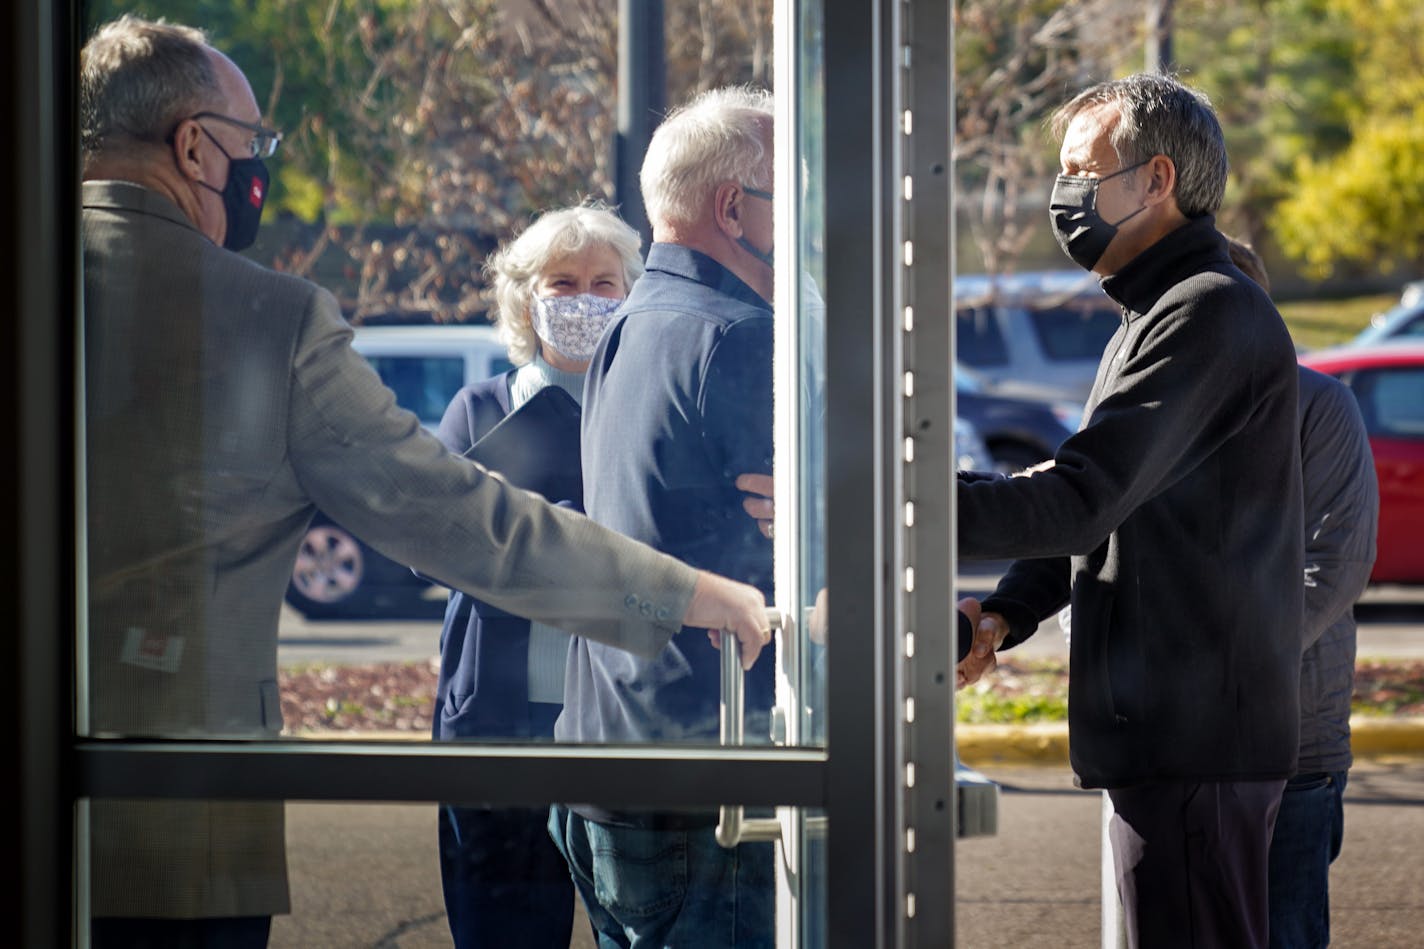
722 606
732 827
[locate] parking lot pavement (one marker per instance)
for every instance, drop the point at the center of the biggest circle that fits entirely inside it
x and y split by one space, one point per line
1391 623
366 874
1390 618
1037 883
347 642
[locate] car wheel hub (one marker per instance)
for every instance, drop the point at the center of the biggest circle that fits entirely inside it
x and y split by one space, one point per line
329 565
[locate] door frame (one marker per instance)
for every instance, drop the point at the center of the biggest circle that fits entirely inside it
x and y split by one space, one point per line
870 871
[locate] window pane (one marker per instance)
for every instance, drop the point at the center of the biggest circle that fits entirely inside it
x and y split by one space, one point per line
1395 400
811 342
423 384
1074 332
273 549
978 338
340 875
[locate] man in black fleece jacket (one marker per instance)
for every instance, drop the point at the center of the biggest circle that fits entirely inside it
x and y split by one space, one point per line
1172 520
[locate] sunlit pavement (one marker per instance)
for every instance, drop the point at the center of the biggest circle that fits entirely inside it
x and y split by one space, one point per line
365 874
1037 884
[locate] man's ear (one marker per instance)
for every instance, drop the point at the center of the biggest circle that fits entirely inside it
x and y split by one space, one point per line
1161 180
186 139
727 209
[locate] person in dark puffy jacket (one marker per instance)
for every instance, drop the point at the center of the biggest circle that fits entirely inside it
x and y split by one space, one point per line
1341 518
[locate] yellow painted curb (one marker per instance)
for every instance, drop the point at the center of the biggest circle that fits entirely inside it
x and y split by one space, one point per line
1047 743
1370 735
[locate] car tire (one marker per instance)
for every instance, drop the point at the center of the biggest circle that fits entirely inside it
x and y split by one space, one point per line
329 573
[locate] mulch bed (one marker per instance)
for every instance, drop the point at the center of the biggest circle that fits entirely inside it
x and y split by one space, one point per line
386 696
1389 688
401 696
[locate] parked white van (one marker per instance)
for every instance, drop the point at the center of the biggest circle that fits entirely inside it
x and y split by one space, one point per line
427 365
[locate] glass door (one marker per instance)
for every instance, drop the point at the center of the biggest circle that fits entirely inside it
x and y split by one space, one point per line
851 774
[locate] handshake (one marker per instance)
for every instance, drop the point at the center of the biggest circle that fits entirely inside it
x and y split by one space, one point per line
980 634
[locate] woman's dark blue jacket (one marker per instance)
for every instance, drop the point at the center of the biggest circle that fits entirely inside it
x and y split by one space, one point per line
483 690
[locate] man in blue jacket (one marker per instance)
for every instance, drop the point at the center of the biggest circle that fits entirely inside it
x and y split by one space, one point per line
1172 521
677 406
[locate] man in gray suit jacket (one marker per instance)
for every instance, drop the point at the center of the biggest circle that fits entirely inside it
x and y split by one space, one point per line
224 405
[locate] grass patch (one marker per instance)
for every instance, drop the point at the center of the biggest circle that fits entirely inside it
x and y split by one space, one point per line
1023 692
990 708
1016 693
1317 324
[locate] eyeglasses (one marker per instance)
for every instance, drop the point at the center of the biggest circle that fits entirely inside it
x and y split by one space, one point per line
264 140
758 193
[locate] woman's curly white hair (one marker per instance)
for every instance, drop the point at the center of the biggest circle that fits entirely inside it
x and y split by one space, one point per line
514 269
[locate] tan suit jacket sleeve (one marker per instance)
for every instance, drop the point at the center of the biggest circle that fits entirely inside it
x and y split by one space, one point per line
372 467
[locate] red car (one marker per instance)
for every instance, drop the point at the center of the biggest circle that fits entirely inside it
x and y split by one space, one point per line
1388 381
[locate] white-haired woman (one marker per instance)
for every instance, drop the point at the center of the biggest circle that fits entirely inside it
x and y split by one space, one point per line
556 286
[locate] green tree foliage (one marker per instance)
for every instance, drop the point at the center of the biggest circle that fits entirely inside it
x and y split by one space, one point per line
1015 62
1279 74
1361 205
418 133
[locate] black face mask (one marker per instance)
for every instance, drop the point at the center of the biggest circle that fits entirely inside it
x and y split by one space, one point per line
1073 211
242 197
765 256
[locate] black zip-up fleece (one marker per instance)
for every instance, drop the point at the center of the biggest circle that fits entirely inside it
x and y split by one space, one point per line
1174 516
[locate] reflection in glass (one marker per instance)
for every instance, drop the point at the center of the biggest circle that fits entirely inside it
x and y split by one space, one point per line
369 875
811 336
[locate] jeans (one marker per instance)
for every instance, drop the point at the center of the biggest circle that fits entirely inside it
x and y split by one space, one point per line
649 888
1309 831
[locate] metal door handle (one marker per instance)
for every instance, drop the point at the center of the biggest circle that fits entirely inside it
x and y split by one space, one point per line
732 827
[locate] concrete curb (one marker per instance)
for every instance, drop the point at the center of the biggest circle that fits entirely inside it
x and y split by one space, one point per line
979 745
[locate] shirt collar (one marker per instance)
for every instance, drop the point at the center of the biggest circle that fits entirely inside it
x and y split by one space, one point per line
694 265
1143 279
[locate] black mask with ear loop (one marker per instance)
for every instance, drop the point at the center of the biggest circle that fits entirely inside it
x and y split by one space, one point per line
1077 226
765 256
242 197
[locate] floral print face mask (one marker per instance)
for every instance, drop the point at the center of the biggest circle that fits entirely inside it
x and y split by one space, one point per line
572 325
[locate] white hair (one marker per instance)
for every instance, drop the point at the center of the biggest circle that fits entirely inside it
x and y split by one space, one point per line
515 268
719 136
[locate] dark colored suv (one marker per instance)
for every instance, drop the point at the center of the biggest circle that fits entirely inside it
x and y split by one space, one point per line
1017 433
